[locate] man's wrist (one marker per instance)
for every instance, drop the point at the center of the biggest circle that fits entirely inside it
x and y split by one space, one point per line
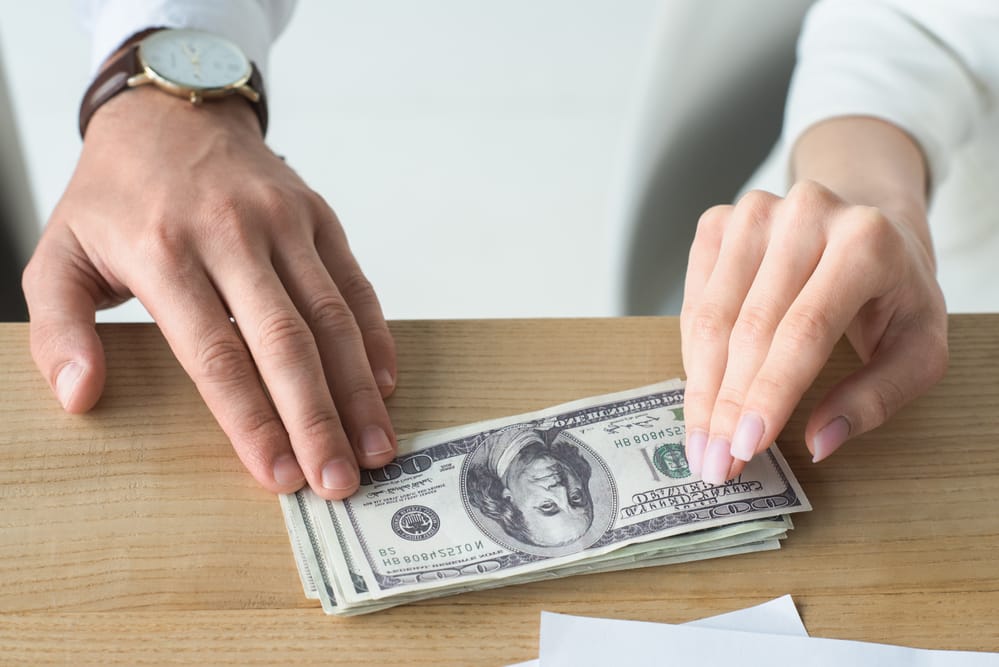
144 109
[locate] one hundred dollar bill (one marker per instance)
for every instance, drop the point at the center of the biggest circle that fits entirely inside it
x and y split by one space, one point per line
593 485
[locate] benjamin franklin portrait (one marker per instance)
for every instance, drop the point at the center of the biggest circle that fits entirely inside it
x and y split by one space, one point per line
538 493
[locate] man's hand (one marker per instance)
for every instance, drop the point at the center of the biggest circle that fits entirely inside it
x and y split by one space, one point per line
188 210
773 283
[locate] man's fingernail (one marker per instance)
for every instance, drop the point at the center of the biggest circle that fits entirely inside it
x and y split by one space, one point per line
374 442
340 474
697 440
66 382
384 379
747 436
830 437
287 471
717 461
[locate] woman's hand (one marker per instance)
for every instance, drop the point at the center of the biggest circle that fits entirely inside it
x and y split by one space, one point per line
187 209
773 283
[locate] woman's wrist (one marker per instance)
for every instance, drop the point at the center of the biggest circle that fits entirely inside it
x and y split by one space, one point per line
868 162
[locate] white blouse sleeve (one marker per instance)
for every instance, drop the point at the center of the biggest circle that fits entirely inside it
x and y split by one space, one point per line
930 67
252 24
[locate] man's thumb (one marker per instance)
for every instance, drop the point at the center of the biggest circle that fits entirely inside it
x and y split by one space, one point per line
64 341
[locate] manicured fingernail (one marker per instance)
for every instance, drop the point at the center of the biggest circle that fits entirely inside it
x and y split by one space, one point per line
830 437
384 379
287 472
747 436
374 442
66 382
340 474
697 440
717 461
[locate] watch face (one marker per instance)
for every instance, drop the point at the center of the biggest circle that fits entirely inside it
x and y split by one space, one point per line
194 59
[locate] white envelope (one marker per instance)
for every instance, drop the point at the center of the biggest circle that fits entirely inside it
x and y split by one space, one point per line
778 616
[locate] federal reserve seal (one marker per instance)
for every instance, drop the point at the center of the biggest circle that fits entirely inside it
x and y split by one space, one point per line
670 460
416 522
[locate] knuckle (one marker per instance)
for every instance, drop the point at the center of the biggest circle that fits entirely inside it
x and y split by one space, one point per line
261 425
359 291
754 326
873 234
711 227
44 337
808 203
934 357
805 204
379 343
805 328
221 357
31 277
769 386
709 323
284 334
318 205
227 207
320 424
275 202
362 394
328 310
696 400
230 228
713 220
809 191
259 436
886 398
756 205
730 400
937 359
328 226
797 209
163 244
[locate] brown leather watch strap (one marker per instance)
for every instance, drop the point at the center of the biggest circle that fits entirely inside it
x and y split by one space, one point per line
114 78
260 106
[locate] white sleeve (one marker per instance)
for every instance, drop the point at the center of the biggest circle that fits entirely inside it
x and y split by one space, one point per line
252 24
930 67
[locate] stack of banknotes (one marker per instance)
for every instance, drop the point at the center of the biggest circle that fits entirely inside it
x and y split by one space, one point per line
594 485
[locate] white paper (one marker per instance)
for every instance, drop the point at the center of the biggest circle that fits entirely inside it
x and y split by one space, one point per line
580 642
778 616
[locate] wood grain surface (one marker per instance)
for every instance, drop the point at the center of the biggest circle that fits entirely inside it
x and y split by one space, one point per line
132 535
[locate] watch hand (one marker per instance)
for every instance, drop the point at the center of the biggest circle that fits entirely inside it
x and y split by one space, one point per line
191 53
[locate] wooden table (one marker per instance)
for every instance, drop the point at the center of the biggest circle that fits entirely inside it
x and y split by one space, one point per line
132 534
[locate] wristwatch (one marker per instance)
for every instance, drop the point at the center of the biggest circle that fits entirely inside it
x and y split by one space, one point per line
188 63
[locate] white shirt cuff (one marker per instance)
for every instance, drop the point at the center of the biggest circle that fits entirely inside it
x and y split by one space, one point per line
252 24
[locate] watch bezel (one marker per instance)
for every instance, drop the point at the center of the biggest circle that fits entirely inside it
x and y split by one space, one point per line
184 90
